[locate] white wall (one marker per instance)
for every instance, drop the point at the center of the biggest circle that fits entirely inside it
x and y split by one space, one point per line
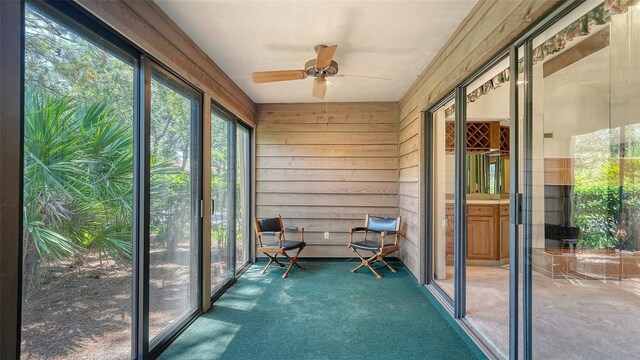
576 101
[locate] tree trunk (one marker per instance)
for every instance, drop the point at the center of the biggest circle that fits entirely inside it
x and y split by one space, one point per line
30 266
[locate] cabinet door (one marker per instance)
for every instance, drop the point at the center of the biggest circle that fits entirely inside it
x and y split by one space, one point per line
504 236
480 238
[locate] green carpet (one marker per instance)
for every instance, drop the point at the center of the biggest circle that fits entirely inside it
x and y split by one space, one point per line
325 312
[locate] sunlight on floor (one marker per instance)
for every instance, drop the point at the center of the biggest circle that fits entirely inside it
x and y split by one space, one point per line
244 298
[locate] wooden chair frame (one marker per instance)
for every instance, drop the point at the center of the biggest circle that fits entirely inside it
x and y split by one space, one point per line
379 254
272 252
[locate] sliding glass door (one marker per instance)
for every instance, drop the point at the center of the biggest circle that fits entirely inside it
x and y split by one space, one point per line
230 194
488 158
442 158
113 193
243 195
585 187
221 198
174 202
567 100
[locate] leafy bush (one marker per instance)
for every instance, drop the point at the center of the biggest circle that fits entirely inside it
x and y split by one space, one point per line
78 165
597 210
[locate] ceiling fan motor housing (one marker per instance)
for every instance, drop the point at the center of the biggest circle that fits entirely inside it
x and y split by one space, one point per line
310 68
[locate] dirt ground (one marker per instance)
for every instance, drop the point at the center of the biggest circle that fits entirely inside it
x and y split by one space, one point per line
84 311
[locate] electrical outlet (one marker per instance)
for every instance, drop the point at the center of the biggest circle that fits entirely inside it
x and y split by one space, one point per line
326 235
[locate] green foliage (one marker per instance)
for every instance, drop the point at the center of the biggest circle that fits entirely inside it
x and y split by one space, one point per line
596 213
219 235
63 63
170 206
78 168
607 185
78 164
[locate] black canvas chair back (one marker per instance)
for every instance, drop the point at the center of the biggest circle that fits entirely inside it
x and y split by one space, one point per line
379 224
270 225
270 233
389 230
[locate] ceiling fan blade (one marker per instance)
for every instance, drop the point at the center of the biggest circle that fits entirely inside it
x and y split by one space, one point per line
325 56
319 87
281 75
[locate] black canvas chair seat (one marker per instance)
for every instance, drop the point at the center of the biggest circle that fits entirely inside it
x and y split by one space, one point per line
368 245
286 245
275 227
388 229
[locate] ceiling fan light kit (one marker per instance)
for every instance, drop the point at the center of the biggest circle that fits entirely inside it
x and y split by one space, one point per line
312 70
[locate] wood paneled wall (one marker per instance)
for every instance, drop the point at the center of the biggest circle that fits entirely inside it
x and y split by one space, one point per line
411 193
147 26
489 27
325 167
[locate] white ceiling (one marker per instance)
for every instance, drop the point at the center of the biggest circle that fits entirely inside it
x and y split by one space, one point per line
390 39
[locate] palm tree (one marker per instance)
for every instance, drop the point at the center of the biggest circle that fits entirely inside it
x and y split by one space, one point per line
78 164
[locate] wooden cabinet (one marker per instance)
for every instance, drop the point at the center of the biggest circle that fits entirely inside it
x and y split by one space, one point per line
481 237
504 236
487 232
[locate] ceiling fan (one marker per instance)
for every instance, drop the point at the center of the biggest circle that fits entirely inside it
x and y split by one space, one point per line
320 68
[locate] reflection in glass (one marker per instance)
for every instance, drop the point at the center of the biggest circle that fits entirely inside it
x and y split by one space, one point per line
586 205
173 243
78 171
443 192
221 129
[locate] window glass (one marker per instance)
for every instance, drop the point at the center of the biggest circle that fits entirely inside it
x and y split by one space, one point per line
173 280
78 171
586 183
221 194
243 191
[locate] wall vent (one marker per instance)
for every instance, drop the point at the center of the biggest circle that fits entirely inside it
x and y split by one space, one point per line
548 135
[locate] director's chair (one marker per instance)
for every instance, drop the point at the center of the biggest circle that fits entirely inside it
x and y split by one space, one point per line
389 230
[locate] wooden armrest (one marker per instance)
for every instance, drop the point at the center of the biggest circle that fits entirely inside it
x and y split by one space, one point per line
395 235
354 229
277 234
299 229
359 228
270 233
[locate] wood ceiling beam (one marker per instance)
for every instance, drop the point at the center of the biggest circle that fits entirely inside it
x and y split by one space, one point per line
592 44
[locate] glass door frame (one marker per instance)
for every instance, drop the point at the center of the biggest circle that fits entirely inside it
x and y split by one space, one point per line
219 289
429 208
146 347
239 270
